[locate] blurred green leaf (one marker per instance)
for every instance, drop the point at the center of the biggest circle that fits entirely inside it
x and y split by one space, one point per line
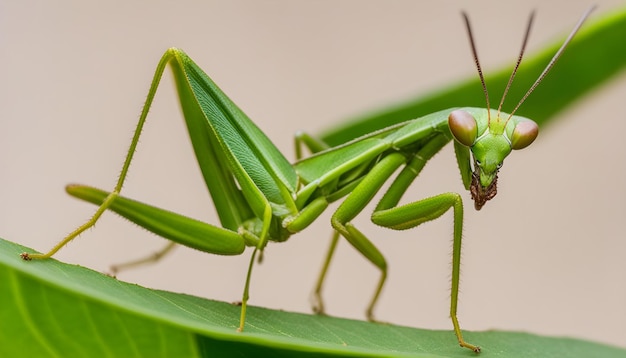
593 58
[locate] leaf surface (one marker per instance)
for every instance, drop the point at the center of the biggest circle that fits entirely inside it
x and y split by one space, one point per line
52 309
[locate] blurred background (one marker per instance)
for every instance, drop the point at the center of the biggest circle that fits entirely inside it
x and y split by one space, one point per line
546 256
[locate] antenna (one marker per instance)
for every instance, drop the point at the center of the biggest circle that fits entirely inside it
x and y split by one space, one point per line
480 72
519 60
554 58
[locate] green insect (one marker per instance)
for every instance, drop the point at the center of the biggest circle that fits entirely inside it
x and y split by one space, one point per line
260 196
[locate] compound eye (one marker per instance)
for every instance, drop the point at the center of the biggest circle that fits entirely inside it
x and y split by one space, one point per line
524 134
463 127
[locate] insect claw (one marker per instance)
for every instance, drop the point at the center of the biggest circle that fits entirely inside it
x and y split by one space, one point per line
317 305
110 274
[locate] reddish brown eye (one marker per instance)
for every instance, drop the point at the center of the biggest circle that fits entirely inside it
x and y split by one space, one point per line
524 134
463 127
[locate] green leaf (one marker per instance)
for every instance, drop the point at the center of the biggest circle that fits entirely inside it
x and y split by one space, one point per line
52 309
594 57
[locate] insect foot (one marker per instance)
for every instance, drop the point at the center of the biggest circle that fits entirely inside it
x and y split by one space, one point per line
25 256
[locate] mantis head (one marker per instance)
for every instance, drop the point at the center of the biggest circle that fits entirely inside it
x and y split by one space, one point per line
491 137
490 142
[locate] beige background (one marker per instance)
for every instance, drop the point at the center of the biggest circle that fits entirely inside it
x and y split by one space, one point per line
546 256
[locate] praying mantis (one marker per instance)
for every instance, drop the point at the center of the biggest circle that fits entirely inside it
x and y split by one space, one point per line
261 197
